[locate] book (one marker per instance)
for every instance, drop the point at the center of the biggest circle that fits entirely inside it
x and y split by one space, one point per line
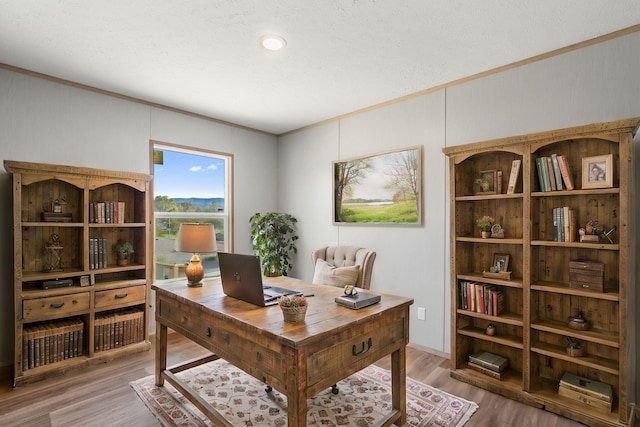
497 302
556 172
489 372
595 389
552 176
544 168
490 361
584 398
566 172
540 176
359 300
513 176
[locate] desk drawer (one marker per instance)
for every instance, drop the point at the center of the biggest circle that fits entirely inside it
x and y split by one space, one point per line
229 343
353 350
55 307
121 297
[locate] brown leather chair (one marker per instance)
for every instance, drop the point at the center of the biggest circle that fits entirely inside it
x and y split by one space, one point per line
346 256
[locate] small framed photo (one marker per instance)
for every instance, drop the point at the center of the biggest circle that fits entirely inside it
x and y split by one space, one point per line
487 182
502 261
597 172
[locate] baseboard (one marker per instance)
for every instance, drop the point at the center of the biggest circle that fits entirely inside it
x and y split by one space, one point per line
635 415
429 350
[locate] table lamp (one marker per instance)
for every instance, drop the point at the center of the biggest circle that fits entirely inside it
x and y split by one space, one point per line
196 238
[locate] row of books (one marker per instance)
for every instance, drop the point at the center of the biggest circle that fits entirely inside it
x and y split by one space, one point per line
114 329
593 393
51 342
554 173
481 298
565 224
106 212
97 253
489 364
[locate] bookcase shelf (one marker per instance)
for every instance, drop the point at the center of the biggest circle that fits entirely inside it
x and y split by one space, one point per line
533 331
55 219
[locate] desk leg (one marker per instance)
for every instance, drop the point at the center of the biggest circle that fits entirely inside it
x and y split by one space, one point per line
399 383
161 352
297 410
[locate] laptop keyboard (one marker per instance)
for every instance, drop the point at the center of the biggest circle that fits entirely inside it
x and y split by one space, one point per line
275 291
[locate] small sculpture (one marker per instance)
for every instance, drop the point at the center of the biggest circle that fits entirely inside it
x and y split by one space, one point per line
52 254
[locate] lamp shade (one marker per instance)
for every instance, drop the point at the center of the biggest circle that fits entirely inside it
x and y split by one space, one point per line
196 238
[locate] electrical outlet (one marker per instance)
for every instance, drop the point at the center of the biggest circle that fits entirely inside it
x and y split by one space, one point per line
422 313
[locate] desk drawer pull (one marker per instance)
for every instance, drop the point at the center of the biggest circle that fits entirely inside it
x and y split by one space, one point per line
57 305
354 349
209 332
122 295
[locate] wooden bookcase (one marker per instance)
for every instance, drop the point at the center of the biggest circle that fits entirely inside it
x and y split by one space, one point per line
104 313
532 331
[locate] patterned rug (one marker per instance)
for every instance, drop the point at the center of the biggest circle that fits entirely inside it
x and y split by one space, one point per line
363 398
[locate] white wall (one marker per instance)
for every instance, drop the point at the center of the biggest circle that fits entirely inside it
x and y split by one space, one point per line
594 84
46 122
43 121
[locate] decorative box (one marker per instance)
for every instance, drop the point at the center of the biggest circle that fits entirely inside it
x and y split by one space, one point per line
586 275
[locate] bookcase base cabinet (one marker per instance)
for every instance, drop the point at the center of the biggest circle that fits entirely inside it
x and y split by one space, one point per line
567 242
74 305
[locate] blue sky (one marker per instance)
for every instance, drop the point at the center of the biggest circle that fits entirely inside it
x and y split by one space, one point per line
189 175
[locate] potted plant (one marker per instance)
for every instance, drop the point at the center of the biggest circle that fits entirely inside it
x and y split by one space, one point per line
123 250
294 307
273 238
574 348
485 224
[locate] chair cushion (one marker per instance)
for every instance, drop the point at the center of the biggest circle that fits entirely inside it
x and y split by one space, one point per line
327 274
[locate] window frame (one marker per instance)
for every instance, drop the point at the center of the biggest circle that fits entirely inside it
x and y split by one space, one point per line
226 215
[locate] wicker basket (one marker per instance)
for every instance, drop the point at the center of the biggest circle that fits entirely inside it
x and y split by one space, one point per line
294 314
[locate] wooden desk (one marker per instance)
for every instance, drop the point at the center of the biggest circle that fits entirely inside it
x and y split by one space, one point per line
299 360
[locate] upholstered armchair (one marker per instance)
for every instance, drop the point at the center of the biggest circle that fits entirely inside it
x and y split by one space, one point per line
342 265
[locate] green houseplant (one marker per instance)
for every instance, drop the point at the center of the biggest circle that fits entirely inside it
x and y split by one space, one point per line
485 224
124 250
273 238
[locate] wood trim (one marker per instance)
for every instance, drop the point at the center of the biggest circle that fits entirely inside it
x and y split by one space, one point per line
126 97
543 56
560 51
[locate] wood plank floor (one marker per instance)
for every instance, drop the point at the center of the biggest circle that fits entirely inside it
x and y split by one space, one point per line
101 396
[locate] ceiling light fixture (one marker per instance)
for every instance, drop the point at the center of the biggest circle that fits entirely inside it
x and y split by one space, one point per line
272 42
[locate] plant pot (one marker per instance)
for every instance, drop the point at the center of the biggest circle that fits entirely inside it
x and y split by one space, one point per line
491 329
123 259
486 234
294 314
575 352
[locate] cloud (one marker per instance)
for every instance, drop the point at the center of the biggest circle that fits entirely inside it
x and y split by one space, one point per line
195 168
212 167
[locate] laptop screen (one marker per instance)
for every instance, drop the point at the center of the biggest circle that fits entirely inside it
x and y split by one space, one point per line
241 277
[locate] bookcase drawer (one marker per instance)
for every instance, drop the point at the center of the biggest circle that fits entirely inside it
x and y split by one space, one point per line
55 307
121 297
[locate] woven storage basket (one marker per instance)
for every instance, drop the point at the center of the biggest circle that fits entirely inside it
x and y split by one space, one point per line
294 314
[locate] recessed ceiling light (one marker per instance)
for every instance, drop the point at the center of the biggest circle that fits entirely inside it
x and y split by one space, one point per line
272 42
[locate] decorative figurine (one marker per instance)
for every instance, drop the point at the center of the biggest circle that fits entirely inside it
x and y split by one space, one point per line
52 251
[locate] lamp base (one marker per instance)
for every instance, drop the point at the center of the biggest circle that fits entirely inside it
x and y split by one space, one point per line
194 272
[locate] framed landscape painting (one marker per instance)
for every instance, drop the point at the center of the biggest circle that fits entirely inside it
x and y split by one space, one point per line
383 188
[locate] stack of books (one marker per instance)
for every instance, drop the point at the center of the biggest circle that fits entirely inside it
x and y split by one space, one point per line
593 393
554 173
489 364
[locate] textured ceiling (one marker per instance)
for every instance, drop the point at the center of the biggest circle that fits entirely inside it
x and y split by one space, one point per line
341 56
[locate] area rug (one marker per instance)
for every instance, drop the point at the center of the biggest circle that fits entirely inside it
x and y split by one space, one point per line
363 398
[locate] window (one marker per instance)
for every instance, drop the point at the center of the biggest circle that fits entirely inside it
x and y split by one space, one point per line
189 185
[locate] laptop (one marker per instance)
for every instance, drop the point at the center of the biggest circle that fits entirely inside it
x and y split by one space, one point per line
241 277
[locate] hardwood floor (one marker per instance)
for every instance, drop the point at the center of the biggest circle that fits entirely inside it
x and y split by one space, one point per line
101 395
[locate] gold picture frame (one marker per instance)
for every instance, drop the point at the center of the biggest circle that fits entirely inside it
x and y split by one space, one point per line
382 188
597 171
